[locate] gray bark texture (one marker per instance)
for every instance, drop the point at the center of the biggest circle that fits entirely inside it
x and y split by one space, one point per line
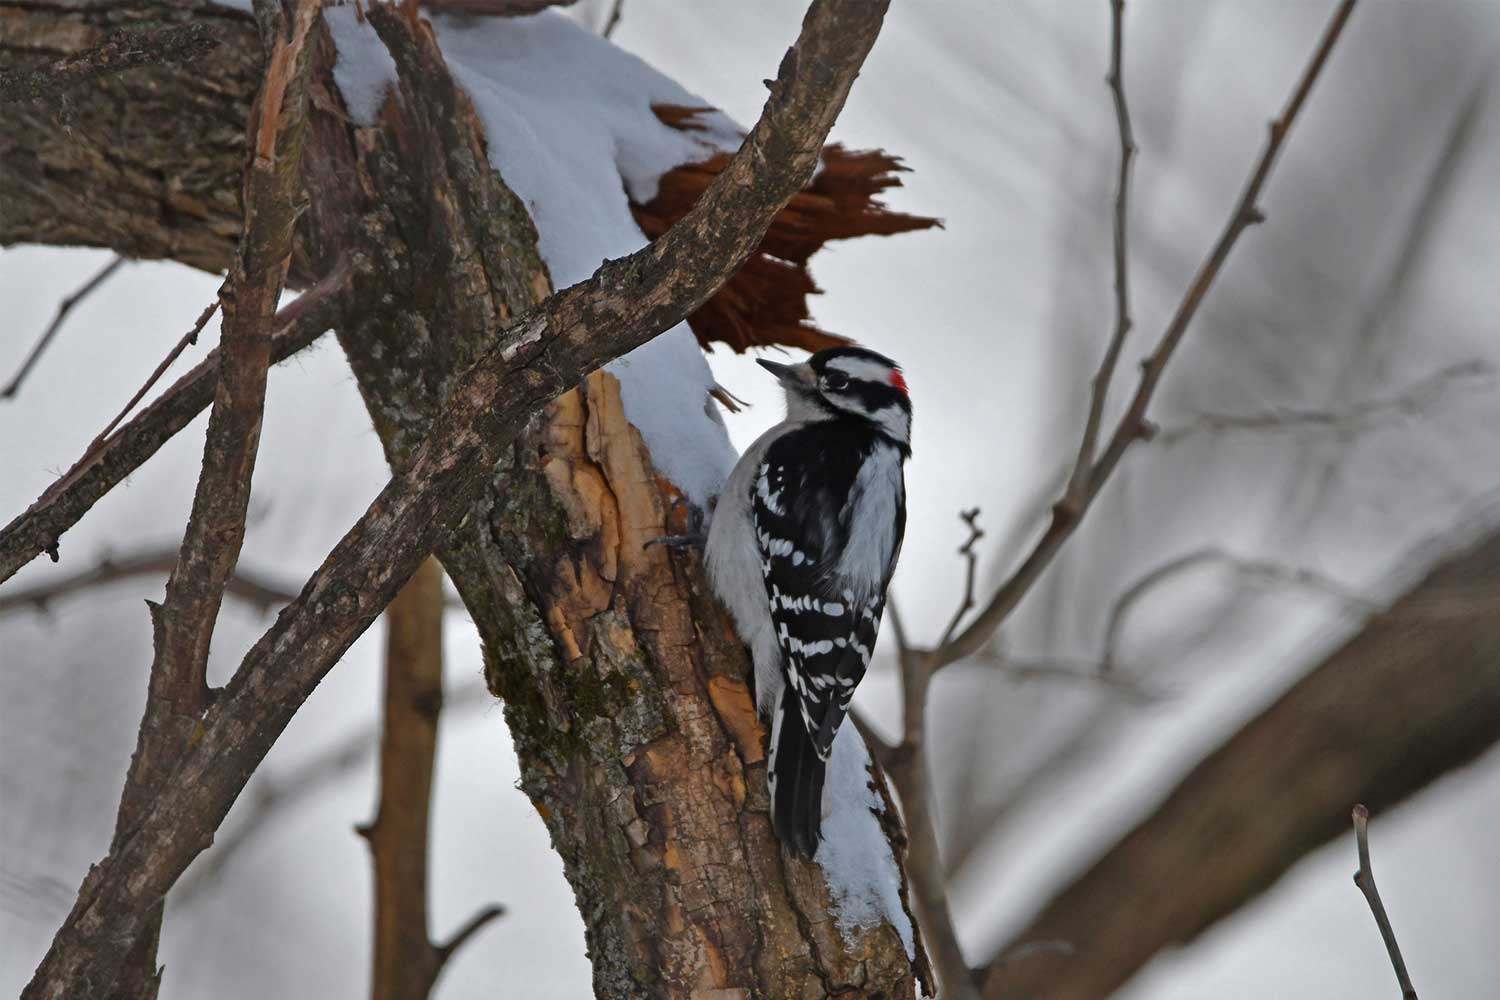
624 686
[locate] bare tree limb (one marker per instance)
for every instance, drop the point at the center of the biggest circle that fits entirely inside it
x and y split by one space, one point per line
543 353
406 964
63 308
261 591
1365 879
1414 694
1069 511
183 625
122 50
102 468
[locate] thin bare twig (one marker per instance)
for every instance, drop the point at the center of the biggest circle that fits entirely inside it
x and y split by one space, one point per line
471 927
39 528
616 10
259 590
1410 401
1133 426
63 308
971 565
1365 879
1077 482
188 339
1021 670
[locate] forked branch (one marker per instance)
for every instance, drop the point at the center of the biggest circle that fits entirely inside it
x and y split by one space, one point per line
906 762
1133 426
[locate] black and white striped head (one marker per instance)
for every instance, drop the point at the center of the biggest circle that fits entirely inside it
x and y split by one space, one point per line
848 382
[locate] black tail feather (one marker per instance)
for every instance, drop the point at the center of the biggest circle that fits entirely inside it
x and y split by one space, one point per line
796 781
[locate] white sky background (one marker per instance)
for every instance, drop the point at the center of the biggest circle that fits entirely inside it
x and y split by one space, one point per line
1001 112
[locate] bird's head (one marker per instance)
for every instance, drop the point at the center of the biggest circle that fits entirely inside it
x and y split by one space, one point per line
848 382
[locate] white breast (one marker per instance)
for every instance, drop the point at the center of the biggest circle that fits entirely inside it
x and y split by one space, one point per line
872 507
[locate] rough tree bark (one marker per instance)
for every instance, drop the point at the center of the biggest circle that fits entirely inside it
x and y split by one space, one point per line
624 687
1413 695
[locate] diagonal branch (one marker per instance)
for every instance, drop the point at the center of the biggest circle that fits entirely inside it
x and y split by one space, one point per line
102 468
63 308
545 352
1069 511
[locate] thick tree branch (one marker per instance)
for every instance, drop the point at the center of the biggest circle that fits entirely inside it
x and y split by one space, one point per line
1413 695
1069 511
183 625
1365 879
63 308
115 456
545 352
122 50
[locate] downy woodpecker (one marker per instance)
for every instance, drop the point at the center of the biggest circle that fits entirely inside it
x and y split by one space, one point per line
800 550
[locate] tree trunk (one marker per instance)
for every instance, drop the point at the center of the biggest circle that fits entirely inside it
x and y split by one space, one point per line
625 688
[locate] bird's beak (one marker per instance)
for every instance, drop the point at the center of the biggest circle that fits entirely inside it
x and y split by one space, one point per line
782 372
791 376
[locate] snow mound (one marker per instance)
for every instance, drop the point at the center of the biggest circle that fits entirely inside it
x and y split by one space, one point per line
856 858
569 126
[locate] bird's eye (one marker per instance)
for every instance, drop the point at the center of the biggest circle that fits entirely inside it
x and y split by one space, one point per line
835 380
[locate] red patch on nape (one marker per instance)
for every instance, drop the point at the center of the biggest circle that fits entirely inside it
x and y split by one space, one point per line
899 382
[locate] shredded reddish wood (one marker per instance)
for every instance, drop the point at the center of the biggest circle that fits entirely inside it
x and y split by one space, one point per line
765 303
